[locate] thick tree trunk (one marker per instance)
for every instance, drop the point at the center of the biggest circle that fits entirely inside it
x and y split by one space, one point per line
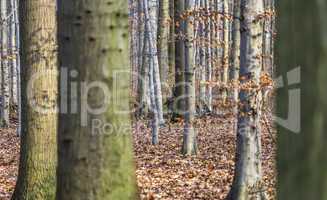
38 158
95 148
248 173
302 138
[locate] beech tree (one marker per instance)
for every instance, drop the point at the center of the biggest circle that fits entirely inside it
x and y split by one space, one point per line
248 170
5 68
38 156
94 162
178 90
189 137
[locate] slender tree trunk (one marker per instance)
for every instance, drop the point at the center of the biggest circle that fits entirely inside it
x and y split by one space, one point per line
163 36
171 51
95 148
226 49
38 158
302 139
178 92
151 21
5 86
202 52
18 70
143 97
209 58
13 53
189 137
248 172
235 65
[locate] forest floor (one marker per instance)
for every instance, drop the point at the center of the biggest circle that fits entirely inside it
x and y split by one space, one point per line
162 172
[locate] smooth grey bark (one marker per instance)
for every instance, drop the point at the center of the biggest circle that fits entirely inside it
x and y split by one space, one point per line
209 57
202 63
235 63
248 171
18 70
226 58
5 56
163 37
143 96
151 21
301 60
13 53
189 137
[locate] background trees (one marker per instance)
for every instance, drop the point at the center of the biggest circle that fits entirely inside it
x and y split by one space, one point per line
203 79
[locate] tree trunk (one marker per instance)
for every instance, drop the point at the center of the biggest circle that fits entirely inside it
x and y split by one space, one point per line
143 96
235 65
202 62
163 36
302 139
38 157
13 53
95 148
189 137
5 86
178 92
248 173
226 49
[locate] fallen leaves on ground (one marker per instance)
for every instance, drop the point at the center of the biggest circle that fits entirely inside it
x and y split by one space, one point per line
9 156
162 172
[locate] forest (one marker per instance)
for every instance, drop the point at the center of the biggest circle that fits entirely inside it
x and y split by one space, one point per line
163 99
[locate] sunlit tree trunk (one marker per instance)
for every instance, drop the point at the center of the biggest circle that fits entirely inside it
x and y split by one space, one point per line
13 51
226 49
189 137
209 58
248 171
151 23
236 37
5 67
95 148
38 157
163 37
202 61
